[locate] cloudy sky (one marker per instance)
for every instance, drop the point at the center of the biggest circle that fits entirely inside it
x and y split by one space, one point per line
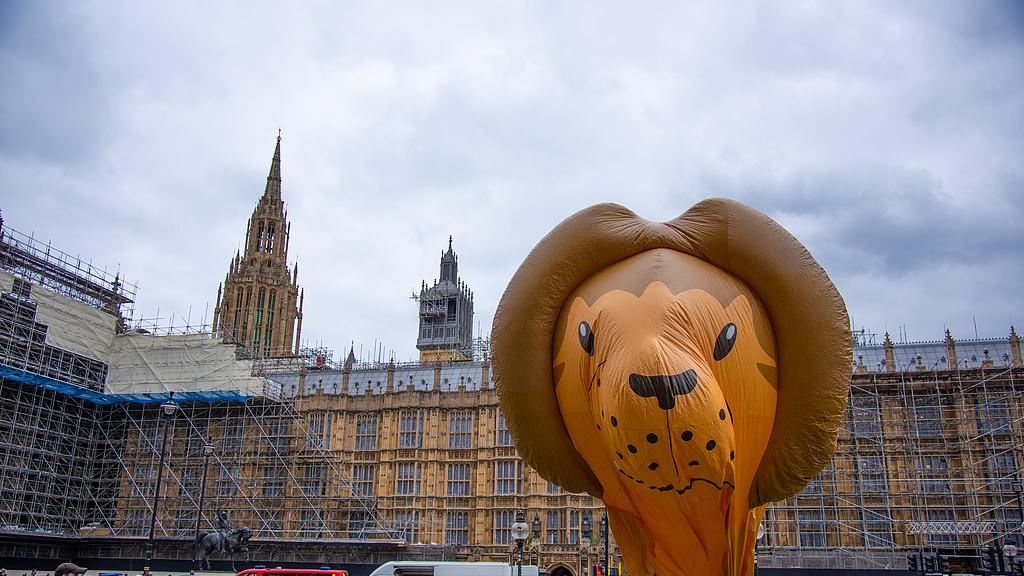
888 137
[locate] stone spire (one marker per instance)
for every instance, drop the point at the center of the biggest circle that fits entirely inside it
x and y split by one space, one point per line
259 306
350 360
273 189
951 360
449 265
1015 348
890 354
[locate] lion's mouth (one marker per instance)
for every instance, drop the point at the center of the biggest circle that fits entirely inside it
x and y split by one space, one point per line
681 489
664 388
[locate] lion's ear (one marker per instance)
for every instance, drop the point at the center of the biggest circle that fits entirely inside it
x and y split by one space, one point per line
524 330
811 329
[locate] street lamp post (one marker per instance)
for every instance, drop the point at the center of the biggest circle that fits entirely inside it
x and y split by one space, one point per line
588 529
604 534
167 410
207 451
536 531
757 540
1009 550
520 532
1016 492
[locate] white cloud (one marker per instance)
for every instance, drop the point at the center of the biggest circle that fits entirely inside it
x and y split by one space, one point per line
887 137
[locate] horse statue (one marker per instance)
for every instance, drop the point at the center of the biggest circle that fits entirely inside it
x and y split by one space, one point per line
222 541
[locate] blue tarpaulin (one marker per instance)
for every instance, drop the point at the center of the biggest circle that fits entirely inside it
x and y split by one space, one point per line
207 396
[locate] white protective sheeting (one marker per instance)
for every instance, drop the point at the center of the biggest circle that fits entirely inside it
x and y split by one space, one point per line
71 325
142 363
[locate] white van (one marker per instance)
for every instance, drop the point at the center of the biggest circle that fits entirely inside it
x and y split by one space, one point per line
423 568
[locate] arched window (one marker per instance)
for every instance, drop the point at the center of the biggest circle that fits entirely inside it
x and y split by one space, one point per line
258 326
238 317
460 430
270 322
259 236
245 317
502 437
270 237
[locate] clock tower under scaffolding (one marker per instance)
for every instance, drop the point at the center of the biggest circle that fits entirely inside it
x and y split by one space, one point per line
446 315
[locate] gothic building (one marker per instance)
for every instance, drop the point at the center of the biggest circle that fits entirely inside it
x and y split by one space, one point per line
446 315
259 304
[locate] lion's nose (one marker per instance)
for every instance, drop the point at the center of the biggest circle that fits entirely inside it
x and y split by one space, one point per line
664 388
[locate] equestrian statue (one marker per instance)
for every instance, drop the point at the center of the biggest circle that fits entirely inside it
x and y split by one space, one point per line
223 539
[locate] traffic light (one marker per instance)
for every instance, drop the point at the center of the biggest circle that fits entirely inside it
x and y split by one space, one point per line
988 559
929 563
912 562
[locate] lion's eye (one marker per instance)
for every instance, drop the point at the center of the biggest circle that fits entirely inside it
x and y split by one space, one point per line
724 342
586 338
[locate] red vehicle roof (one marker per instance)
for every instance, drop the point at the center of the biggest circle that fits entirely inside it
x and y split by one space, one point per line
292 572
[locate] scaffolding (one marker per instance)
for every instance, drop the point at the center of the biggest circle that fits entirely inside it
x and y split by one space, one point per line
269 471
927 461
58 316
417 454
47 456
28 258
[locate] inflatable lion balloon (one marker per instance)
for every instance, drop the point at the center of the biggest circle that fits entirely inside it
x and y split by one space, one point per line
686 373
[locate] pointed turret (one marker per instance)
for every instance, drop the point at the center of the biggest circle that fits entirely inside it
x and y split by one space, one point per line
273 190
298 320
890 355
951 360
1015 347
350 361
449 265
216 308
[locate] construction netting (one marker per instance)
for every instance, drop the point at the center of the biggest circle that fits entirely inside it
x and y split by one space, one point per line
143 363
70 325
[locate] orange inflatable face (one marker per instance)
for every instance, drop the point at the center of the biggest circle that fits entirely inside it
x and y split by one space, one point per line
665 374
635 361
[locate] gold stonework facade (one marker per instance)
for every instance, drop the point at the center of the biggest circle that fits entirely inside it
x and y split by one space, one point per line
259 305
442 355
